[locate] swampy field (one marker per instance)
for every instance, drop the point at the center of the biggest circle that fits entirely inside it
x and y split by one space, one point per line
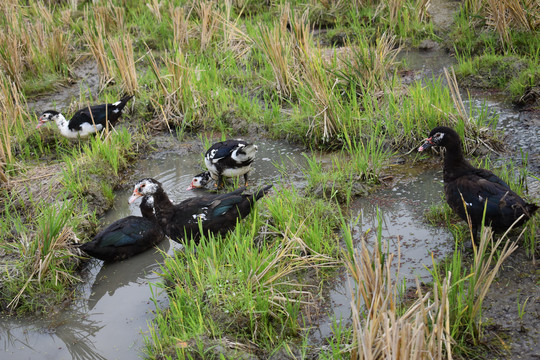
353 254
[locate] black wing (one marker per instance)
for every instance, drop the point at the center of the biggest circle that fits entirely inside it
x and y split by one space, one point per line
502 205
224 148
98 114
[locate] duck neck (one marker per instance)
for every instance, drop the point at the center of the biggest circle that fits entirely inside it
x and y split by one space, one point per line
147 208
455 163
162 205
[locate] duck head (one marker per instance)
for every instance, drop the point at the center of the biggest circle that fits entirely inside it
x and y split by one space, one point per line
47 116
145 187
199 180
440 136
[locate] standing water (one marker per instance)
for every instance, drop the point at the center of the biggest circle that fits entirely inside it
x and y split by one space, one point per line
111 314
398 213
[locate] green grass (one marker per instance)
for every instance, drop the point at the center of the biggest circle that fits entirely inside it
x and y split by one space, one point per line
39 265
250 285
515 74
38 234
468 287
248 68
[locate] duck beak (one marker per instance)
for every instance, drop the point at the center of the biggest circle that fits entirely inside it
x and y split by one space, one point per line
40 123
426 145
191 186
134 196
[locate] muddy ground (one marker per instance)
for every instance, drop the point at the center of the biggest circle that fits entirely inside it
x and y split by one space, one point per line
508 332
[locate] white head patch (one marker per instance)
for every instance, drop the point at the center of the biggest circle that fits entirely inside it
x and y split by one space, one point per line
438 137
147 187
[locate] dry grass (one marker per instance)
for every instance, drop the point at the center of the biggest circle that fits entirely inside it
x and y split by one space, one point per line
326 123
12 114
110 17
47 258
235 39
463 117
180 26
209 20
122 50
155 8
177 90
395 11
379 331
26 45
277 46
449 313
94 33
292 256
11 56
370 67
504 15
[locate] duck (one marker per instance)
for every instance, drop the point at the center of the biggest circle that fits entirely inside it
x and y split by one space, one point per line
230 158
217 213
85 121
126 237
468 190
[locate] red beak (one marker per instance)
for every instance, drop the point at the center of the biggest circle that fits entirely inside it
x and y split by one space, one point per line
426 145
40 123
136 194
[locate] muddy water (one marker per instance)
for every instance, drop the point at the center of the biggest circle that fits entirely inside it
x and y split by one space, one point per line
397 212
110 316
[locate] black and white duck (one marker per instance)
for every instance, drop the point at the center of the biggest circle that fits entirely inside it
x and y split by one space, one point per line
217 213
472 188
127 237
85 121
230 158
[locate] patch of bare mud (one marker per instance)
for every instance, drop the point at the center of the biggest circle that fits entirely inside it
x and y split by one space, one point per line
442 12
517 286
86 81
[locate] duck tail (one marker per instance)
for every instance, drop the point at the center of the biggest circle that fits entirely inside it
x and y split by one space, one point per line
261 192
122 102
531 209
125 99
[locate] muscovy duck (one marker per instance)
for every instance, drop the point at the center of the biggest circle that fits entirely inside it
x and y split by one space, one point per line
218 213
228 158
466 185
85 121
126 237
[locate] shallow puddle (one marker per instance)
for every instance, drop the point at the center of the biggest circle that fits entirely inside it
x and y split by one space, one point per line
113 310
399 210
114 307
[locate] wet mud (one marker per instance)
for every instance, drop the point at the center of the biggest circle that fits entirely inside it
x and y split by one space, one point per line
113 306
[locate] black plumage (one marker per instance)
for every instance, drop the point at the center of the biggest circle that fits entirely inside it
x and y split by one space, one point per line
126 237
87 120
228 158
217 213
473 189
